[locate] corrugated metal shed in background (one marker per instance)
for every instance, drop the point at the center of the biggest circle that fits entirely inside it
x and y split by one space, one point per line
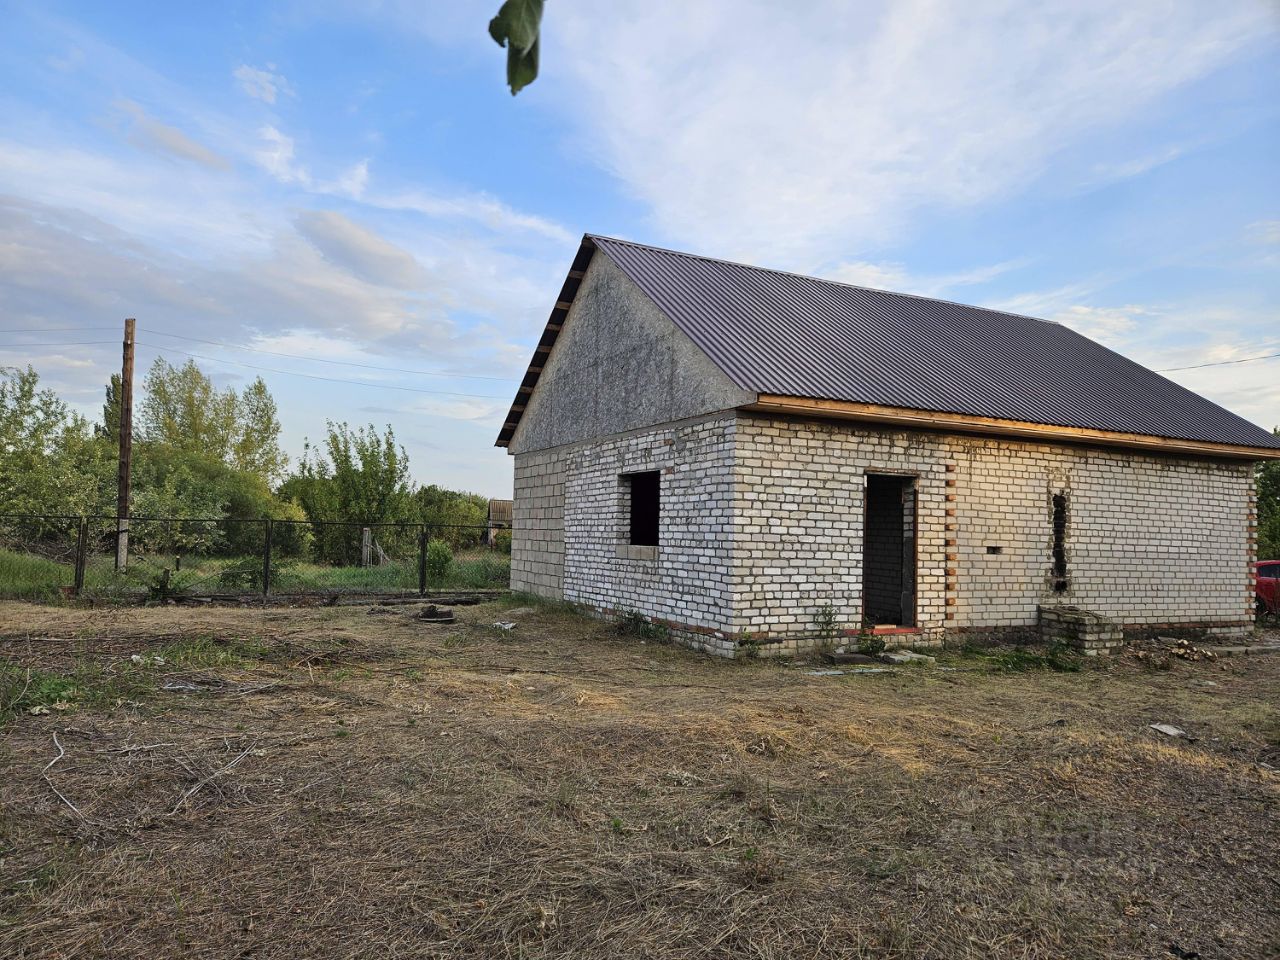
791 335
500 513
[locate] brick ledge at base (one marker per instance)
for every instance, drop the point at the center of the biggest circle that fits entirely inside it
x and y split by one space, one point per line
725 643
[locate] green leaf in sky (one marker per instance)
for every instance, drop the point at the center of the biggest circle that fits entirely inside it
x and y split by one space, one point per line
516 27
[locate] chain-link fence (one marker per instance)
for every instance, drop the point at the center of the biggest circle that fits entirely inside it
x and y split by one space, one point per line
43 557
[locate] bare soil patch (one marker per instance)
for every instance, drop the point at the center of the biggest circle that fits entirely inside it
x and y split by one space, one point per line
331 782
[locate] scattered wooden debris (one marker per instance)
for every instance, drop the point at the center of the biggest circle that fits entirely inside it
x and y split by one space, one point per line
1189 651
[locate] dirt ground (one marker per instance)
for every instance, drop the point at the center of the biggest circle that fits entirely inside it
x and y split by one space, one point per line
337 782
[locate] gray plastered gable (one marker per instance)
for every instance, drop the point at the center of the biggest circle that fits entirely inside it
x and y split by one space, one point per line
619 364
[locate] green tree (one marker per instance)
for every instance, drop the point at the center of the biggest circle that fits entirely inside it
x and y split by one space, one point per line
370 474
451 515
361 478
1268 478
109 429
183 410
257 443
50 462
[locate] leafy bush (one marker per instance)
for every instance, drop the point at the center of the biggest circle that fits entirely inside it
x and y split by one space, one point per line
502 541
634 624
246 574
870 644
439 560
825 622
161 583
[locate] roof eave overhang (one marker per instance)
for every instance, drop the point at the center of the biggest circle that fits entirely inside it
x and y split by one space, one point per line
550 333
989 426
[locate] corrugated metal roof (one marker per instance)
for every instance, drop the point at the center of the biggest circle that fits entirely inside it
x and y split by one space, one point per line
791 335
787 334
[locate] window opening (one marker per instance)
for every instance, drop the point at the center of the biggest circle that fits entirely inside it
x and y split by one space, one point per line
643 505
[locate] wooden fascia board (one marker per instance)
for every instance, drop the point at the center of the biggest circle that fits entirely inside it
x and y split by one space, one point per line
550 333
991 426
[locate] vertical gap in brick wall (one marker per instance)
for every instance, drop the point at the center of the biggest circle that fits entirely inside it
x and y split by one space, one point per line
1060 579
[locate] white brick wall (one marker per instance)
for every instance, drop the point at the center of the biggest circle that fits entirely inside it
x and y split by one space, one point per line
800 521
762 525
686 580
537 524
1149 540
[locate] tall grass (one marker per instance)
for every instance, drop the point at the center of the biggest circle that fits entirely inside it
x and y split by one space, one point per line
27 577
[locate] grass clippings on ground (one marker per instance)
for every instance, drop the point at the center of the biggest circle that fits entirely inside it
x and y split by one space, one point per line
324 783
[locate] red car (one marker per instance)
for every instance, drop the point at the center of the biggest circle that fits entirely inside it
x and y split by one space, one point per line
1267 591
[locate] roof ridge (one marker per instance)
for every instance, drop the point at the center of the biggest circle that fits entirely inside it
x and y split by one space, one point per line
809 276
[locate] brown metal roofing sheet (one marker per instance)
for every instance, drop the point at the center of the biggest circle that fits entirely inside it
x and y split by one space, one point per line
782 333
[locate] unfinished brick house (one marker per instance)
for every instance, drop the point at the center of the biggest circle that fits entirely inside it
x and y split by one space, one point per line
728 450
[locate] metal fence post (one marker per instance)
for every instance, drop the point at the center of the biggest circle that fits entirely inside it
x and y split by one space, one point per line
82 549
422 561
266 556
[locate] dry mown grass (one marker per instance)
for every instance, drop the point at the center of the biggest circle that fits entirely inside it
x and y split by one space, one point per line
343 784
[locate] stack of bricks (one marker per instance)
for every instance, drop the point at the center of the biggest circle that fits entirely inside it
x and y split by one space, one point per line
1091 634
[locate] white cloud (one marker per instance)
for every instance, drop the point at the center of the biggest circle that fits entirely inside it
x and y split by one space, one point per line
1265 231
190 207
353 182
780 133
1165 337
149 133
478 207
1107 325
461 409
262 84
1116 326
896 276
360 250
276 156
1133 167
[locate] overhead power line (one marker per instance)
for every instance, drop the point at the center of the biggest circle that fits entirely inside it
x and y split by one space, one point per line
344 363
65 343
1220 363
52 329
312 376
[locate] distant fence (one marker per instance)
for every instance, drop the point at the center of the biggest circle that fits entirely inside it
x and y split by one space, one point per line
42 557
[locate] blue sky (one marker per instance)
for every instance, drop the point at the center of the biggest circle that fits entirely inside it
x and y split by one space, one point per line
353 182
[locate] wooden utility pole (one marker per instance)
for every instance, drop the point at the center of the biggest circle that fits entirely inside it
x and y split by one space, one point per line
126 447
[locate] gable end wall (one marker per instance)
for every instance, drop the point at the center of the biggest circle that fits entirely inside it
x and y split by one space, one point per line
618 365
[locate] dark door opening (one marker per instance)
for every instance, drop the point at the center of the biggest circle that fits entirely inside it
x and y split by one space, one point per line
889 551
